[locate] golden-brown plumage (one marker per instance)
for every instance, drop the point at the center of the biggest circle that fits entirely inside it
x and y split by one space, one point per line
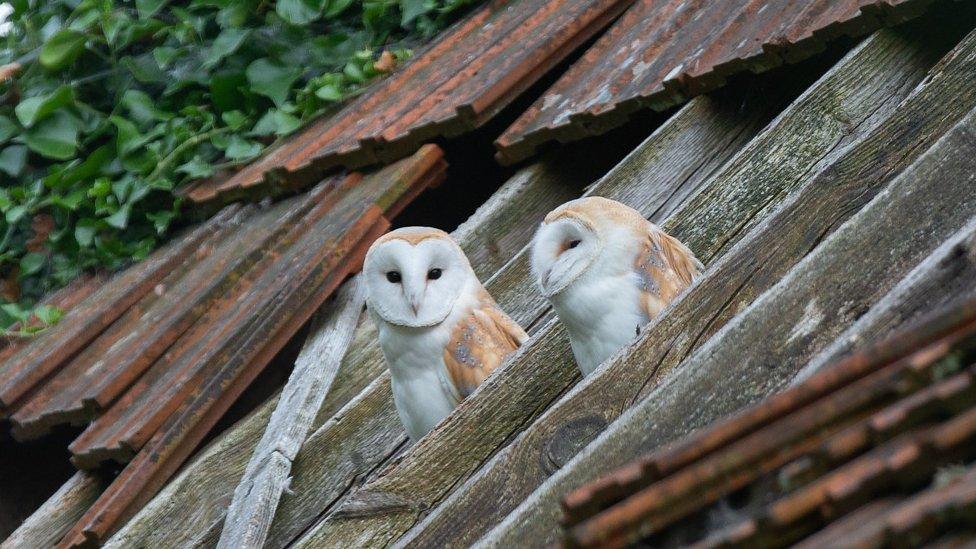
665 267
480 343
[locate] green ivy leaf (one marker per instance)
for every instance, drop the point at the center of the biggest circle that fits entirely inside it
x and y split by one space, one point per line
8 129
142 107
62 49
276 122
161 220
329 92
271 79
145 69
100 188
235 119
225 44
196 168
120 219
13 159
85 231
94 164
148 8
354 72
16 312
31 263
55 137
239 148
34 109
48 314
234 15
15 214
298 12
71 201
164 55
336 7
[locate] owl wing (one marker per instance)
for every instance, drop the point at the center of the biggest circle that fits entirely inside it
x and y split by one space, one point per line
480 343
664 266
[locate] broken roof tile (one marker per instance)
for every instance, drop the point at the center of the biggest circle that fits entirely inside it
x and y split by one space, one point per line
857 452
459 82
662 52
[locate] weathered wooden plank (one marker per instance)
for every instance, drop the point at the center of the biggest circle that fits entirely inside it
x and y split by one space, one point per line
727 287
868 82
760 350
56 516
266 476
676 160
947 276
190 510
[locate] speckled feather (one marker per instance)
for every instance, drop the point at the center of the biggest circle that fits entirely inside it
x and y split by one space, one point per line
480 343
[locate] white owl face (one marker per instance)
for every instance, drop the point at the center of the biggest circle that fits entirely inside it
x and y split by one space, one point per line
414 275
562 250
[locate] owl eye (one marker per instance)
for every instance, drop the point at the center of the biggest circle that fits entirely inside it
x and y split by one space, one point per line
394 277
574 243
433 274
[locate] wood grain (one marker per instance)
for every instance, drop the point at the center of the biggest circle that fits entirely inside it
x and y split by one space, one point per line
945 277
760 350
266 476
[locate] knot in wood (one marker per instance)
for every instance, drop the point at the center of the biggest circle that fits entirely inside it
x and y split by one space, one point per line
569 439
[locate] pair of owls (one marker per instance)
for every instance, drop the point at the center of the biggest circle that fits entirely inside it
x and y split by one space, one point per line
606 270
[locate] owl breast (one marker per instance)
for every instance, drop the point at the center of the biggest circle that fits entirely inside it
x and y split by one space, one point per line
601 316
421 392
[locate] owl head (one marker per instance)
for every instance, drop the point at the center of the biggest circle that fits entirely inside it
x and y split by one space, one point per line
582 236
414 276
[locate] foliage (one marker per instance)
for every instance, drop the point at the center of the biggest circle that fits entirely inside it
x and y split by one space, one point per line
108 106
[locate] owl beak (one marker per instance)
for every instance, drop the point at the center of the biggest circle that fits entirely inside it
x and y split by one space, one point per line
415 298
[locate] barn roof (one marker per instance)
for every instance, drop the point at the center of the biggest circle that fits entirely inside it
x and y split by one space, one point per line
809 194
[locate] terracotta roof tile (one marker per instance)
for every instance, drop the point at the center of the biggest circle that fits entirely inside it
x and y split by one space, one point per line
662 52
856 453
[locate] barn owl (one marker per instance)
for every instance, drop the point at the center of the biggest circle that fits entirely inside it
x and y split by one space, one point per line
607 271
440 331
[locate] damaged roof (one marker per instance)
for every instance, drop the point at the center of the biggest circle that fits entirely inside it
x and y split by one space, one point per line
869 451
791 177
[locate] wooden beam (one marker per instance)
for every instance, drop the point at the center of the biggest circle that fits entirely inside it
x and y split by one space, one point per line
760 350
52 520
947 276
734 200
266 476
